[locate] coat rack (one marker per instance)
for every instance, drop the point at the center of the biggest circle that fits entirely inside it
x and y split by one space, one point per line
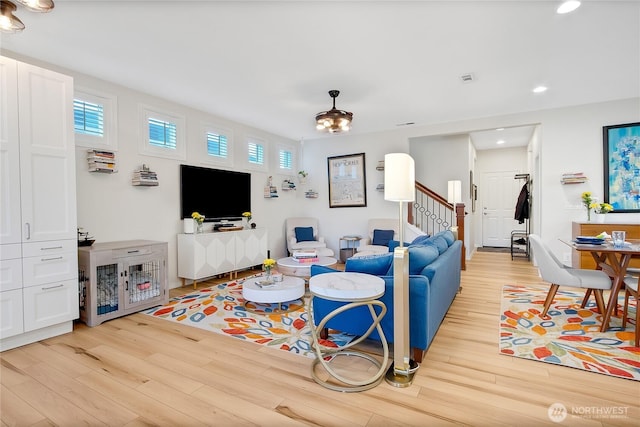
520 238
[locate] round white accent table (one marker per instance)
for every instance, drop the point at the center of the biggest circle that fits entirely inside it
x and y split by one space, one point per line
357 289
292 267
289 289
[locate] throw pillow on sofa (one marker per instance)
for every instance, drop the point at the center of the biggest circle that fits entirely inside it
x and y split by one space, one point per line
382 237
420 239
378 265
304 234
441 243
419 257
447 235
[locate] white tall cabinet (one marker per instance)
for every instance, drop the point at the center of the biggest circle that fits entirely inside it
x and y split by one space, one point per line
38 240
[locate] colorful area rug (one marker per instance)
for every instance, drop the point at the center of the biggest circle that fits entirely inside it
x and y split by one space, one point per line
569 335
220 309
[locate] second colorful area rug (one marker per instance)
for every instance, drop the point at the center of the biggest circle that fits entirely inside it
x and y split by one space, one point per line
569 336
220 309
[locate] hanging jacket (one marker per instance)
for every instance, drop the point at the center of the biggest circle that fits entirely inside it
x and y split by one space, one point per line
522 206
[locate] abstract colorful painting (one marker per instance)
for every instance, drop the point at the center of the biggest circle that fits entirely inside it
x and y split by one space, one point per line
622 167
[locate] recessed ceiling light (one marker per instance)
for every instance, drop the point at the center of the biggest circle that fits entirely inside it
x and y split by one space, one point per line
500 142
540 89
568 6
500 129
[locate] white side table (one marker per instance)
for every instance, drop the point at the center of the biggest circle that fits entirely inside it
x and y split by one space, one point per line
289 289
302 269
357 289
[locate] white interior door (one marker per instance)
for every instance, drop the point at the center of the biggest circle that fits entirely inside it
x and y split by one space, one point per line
499 199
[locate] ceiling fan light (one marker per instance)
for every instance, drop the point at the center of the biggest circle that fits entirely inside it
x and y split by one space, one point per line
334 120
9 23
37 5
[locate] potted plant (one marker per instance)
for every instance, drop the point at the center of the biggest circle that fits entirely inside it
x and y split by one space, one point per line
601 209
302 176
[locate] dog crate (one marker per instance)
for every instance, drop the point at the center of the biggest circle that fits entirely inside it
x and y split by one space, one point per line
120 278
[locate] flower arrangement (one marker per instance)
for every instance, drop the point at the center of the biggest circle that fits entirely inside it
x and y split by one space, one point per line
247 216
268 265
601 208
198 218
587 200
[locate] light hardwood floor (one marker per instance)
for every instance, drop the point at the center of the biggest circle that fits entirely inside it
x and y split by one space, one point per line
137 370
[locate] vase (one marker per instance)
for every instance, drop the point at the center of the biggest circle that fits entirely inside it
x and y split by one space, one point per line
199 227
588 215
599 218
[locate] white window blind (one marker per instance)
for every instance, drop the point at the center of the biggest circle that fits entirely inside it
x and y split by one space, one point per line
217 145
88 118
162 133
256 153
285 159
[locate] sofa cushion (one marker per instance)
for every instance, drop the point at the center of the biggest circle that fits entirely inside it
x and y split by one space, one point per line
395 243
440 242
420 239
382 237
419 257
378 265
304 234
448 236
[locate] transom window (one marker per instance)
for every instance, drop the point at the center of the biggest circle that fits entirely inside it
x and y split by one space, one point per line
88 118
217 145
162 133
95 122
285 159
256 152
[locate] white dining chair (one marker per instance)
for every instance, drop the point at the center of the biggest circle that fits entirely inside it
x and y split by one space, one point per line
631 290
558 274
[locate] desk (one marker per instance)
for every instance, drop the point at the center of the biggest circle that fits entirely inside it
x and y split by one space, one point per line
614 262
356 289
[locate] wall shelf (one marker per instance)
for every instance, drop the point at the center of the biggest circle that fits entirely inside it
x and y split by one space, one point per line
102 161
144 177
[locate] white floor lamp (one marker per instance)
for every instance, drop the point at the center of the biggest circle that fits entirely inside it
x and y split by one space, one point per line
399 186
454 196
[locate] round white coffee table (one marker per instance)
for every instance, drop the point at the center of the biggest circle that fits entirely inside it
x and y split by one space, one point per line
292 267
356 289
289 289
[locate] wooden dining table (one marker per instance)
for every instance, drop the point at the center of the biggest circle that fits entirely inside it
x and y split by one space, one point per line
613 261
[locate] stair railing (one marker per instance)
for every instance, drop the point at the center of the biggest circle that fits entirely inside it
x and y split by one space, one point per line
432 213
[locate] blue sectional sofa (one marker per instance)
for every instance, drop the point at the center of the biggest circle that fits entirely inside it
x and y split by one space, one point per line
434 280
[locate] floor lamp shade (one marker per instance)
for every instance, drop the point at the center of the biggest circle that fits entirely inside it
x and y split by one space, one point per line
454 193
399 177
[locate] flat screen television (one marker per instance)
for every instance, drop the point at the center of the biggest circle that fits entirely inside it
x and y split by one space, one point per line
215 193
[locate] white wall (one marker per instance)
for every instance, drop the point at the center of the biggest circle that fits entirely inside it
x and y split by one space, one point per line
567 140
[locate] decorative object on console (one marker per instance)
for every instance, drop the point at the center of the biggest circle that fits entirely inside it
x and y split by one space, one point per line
399 185
199 219
334 120
247 216
586 201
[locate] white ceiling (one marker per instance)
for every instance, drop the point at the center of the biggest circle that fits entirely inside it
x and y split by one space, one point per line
270 64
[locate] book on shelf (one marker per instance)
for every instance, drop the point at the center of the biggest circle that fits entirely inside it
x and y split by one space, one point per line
573 178
102 167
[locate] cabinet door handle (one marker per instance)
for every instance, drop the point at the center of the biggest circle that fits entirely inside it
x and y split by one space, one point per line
53 287
133 252
51 259
27 227
51 248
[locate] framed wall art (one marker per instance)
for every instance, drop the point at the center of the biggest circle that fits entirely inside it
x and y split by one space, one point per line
622 166
347 181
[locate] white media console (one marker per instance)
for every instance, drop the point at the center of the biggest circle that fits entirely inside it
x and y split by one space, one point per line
205 255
